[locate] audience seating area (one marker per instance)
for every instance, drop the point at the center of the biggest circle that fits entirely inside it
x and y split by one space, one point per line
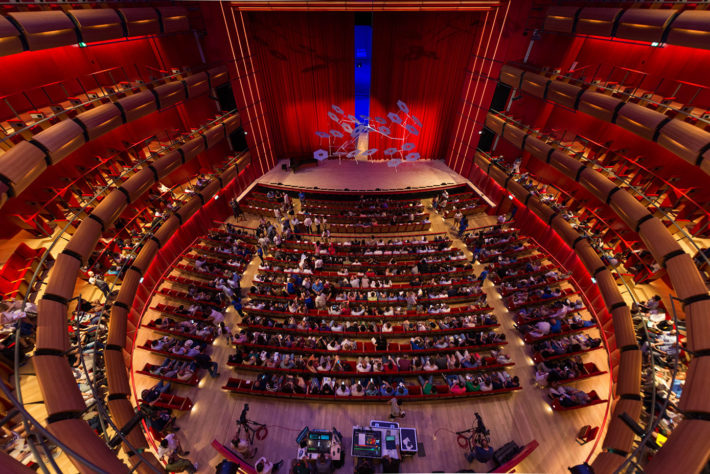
17 272
313 333
553 325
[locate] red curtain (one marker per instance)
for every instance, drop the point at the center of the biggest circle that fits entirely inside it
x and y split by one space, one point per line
420 58
304 64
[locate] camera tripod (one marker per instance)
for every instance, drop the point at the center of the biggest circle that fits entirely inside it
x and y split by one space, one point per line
474 436
250 428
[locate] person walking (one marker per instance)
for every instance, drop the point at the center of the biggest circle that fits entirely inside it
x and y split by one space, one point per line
396 408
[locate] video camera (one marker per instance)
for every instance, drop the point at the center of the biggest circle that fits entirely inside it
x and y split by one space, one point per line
243 417
480 426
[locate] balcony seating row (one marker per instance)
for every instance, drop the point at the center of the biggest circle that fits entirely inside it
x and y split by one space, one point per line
690 28
27 160
37 30
60 392
684 139
17 272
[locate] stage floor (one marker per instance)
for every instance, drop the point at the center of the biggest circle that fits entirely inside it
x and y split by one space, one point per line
365 175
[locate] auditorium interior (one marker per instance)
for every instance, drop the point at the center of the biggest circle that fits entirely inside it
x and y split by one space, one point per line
318 236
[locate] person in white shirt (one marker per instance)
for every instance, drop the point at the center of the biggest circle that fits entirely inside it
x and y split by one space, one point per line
244 449
342 390
321 301
170 445
541 328
262 465
216 316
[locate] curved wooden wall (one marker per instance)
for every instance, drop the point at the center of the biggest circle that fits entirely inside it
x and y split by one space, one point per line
61 394
690 28
24 162
34 31
627 390
685 140
684 275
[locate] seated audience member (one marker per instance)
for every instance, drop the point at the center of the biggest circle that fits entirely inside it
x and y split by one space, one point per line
263 466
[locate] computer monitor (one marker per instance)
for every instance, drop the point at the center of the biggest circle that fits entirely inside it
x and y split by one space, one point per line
319 442
367 443
301 436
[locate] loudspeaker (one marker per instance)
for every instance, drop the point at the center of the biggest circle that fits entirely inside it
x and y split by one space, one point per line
500 97
238 140
363 18
485 142
506 453
225 97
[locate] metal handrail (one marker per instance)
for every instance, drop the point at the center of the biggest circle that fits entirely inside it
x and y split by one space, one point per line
540 69
91 101
101 408
18 402
633 457
27 419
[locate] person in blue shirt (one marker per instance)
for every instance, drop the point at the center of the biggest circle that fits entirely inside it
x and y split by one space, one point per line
372 389
401 390
310 304
318 286
484 452
482 277
302 197
290 288
260 253
237 303
555 326
463 225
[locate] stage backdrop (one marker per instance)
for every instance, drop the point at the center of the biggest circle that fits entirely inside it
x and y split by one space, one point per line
304 65
421 59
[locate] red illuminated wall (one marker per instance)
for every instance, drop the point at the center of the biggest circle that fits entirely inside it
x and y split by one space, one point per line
421 58
305 62
504 36
138 58
227 41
